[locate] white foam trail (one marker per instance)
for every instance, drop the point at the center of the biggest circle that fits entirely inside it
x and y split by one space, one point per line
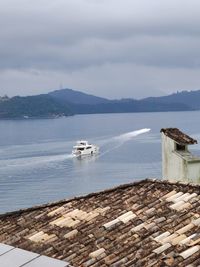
127 136
32 161
121 139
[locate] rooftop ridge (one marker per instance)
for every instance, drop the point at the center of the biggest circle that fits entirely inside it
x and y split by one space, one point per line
109 190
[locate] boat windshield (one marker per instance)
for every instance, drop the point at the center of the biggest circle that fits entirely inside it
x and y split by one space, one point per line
80 148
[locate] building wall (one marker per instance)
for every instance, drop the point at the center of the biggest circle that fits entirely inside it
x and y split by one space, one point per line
193 172
173 166
176 167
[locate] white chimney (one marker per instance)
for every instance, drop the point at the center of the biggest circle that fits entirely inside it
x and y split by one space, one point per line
178 164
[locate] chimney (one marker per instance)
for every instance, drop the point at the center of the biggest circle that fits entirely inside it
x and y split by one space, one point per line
178 164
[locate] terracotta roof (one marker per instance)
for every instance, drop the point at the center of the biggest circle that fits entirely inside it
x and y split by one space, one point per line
148 223
178 136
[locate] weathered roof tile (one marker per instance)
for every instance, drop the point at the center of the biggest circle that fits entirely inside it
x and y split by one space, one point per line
185 229
189 252
178 136
139 224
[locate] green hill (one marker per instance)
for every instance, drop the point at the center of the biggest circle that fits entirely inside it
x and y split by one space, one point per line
67 102
42 106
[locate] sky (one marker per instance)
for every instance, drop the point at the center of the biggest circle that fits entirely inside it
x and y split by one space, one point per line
109 48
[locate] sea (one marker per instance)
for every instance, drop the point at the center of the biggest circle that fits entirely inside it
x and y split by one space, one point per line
37 167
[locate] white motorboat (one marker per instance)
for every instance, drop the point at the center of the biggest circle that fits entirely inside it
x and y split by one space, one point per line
84 148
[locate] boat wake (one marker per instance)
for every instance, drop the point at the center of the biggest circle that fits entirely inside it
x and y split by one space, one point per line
128 136
118 141
106 145
33 161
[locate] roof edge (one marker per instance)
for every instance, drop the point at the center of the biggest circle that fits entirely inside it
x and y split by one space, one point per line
178 136
123 186
67 200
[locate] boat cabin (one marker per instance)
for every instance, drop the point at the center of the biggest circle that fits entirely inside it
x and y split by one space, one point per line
82 143
84 148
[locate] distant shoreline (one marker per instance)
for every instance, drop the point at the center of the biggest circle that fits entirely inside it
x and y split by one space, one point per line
105 113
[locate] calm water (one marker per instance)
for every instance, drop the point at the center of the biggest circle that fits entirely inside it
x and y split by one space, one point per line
36 165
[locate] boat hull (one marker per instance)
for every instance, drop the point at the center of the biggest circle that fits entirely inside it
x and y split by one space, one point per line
92 151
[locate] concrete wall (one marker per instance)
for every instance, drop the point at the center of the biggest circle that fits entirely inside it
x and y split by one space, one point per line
193 172
173 167
176 167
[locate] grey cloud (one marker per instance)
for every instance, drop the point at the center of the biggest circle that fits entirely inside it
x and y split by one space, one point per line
69 40
157 51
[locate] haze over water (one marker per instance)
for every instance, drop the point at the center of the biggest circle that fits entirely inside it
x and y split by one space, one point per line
36 165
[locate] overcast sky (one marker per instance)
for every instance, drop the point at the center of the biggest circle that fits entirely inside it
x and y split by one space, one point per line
110 48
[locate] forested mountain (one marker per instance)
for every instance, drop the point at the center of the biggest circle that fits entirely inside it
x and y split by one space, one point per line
68 102
77 97
32 106
189 98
